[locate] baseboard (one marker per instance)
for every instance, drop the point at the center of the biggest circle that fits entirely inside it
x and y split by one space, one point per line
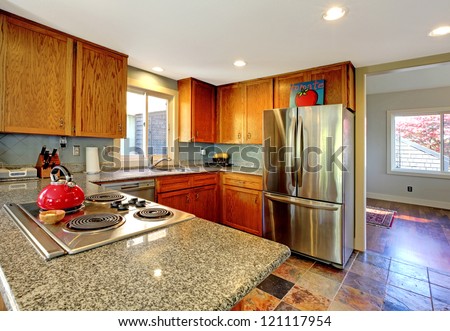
412 201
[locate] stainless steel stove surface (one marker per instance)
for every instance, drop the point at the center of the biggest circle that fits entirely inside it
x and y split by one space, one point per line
102 219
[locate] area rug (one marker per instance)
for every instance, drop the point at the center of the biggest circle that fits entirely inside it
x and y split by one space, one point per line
379 216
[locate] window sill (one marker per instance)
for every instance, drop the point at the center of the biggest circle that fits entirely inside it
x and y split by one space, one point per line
427 174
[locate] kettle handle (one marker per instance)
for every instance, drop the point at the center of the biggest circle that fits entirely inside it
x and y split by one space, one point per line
54 173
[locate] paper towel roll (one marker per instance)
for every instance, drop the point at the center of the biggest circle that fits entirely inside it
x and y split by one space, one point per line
92 162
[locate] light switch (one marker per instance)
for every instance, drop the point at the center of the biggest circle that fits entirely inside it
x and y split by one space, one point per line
76 150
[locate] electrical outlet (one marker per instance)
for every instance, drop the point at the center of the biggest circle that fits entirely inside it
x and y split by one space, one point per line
409 188
63 142
76 150
203 152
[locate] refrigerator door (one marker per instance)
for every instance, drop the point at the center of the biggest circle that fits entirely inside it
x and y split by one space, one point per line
280 126
308 227
320 151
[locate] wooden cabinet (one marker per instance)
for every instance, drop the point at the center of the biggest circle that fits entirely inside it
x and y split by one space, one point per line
36 79
197 113
339 84
101 86
180 200
230 103
258 97
240 108
242 202
196 194
52 83
205 202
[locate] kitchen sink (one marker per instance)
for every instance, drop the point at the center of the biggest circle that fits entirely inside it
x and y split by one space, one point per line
171 169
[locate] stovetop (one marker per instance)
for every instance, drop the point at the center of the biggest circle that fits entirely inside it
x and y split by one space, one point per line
102 219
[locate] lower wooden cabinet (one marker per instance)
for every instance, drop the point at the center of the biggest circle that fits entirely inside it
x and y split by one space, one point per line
177 199
205 202
239 206
196 194
241 202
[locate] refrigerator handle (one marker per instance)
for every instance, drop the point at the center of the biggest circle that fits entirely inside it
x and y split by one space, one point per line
299 152
309 204
290 141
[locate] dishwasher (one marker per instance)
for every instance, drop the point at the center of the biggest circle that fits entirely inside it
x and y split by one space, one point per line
144 189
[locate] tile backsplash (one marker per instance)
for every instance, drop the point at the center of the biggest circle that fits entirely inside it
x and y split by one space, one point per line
22 150
240 155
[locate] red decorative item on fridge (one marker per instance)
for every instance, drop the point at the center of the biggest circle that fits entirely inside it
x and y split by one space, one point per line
306 97
60 194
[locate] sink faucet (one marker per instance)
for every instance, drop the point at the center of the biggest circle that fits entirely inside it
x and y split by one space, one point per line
159 161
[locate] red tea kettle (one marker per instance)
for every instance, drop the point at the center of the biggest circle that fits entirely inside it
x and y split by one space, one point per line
60 194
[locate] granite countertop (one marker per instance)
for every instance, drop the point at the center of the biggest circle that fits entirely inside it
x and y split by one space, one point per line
144 173
193 265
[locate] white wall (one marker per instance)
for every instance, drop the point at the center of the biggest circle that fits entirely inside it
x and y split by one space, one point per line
426 191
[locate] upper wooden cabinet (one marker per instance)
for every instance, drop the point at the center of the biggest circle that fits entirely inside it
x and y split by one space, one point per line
258 97
197 111
52 83
101 87
230 104
35 80
339 84
240 108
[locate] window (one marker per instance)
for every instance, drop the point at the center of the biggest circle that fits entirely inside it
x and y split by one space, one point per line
149 116
419 142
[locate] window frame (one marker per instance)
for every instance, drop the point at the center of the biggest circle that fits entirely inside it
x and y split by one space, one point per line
391 169
133 161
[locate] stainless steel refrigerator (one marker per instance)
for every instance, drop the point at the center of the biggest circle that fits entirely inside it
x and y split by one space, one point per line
309 181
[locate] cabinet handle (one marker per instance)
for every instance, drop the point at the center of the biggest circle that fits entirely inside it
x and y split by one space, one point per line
196 196
239 135
196 133
256 199
120 127
249 135
187 198
61 122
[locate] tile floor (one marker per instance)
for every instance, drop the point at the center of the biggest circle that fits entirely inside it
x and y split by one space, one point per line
369 282
405 267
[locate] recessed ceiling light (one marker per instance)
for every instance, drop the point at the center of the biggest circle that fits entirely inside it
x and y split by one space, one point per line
239 63
440 31
334 13
157 69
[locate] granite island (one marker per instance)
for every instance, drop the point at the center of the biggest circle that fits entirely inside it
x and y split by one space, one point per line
193 265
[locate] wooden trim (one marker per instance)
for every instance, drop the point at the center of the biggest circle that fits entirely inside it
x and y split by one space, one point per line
185 110
69 90
78 86
3 43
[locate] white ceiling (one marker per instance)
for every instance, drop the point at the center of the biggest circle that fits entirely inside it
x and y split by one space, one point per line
202 38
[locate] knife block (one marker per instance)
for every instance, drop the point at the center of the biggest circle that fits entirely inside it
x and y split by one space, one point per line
43 169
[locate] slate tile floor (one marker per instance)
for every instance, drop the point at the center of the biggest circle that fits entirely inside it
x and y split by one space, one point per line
371 280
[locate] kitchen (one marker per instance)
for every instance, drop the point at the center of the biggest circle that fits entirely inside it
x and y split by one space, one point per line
81 133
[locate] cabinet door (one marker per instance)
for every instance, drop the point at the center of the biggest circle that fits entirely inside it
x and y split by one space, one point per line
206 202
100 92
282 87
197 112
181 200
36 79
241 209
335 83
230 99
258 97
203 112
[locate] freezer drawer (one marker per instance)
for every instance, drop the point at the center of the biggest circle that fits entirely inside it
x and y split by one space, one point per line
308 227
